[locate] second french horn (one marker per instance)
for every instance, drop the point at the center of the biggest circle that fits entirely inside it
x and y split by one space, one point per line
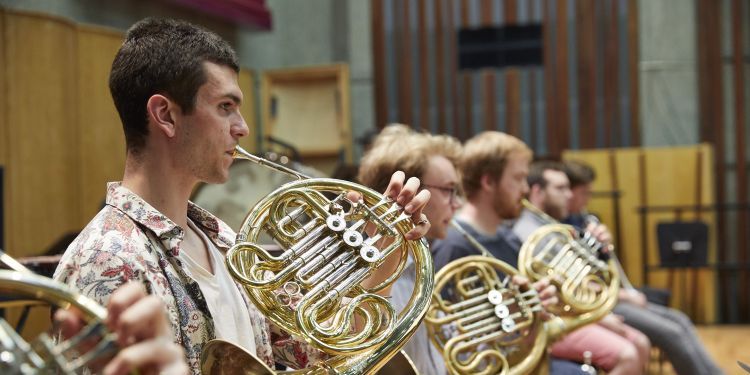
484 324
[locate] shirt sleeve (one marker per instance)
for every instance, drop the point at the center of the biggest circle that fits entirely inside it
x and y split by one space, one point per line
96 272
293 351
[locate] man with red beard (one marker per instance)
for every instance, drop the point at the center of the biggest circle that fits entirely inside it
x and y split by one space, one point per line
432 159
495 167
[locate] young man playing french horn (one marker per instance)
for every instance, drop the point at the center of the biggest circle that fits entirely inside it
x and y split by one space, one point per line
175 88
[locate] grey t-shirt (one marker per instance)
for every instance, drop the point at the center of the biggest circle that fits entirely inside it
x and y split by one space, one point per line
420 348
526 224
503 244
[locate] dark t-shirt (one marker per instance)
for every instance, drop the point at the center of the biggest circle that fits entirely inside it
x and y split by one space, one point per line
504 245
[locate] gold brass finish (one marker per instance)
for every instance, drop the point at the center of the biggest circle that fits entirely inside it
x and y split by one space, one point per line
484 324
587 285
331 244
43 355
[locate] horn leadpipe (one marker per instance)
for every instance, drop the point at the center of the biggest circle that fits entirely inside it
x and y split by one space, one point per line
473 241
240 153
591 218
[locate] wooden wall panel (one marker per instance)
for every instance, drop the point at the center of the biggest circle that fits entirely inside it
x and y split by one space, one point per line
248 110
326 120
671 177
561 116
101 151
739 66
4 136
41 118
512 79
378 45
4 139
405 92
586 37
42 183
578 37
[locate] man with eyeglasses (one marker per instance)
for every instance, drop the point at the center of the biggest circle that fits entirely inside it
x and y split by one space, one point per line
432 159
494 167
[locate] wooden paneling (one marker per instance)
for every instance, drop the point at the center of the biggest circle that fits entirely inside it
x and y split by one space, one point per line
453 76
488 75
247 109
711 114
424 96
101 151
586 37
4 139
465 126
633 58
562 104
42 180
439 65
41 116
611 70
583 33
739 145
663 177
309 108
378 46
512 78
549 78
405 64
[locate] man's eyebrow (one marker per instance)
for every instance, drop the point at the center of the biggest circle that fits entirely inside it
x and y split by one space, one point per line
234 98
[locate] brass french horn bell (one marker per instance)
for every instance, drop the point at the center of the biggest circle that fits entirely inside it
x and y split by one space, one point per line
317 288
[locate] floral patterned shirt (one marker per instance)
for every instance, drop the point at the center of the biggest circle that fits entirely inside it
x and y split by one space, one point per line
131 240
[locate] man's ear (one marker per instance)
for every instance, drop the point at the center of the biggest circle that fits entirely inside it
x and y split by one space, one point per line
535 191
487 182
160 111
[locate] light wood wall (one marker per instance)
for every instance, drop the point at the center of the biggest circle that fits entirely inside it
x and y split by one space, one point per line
42 173
101 150
658 177
309 108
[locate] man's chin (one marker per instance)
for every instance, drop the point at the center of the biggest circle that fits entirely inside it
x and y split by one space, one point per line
218 179
436 234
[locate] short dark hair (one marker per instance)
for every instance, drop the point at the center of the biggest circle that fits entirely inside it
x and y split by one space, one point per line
579 173
162 56
536 172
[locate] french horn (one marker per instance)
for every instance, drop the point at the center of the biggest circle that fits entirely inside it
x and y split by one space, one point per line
45 355
484 324
481 321
587 278
317 287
